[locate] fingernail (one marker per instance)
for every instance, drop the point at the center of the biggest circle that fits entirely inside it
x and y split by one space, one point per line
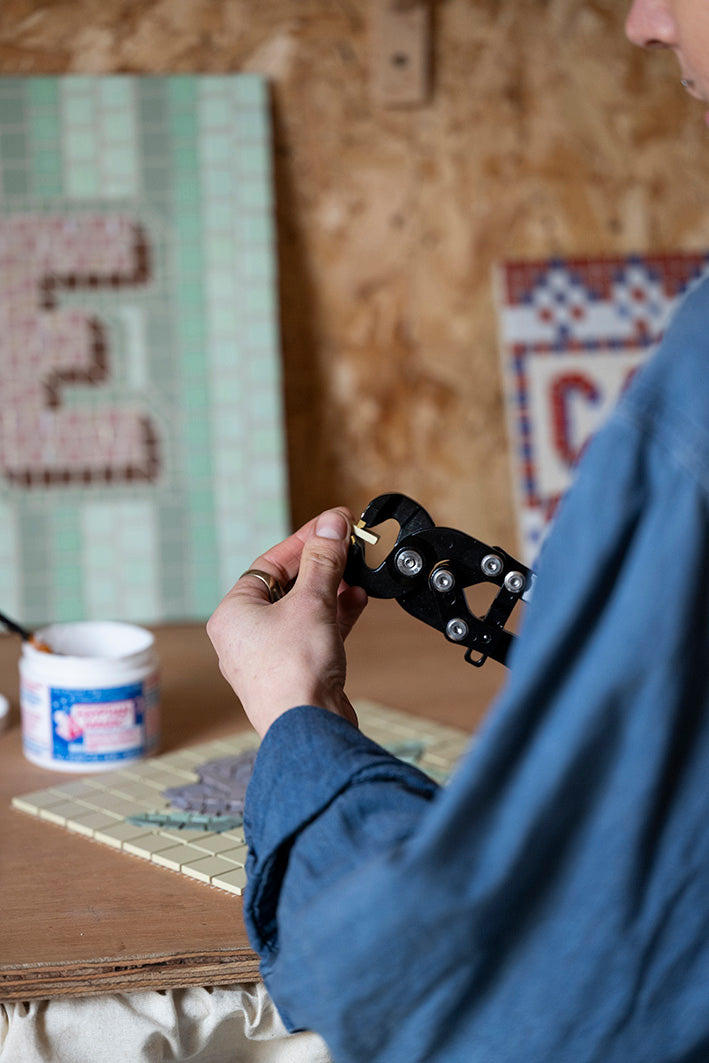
332 525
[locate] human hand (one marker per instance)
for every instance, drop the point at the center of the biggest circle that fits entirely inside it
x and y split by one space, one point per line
291 652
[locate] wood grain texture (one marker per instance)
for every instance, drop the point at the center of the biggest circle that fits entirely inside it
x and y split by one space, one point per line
546 133
80 918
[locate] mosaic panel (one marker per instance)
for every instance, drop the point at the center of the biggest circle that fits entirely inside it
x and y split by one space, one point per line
141 439
573 332
129 809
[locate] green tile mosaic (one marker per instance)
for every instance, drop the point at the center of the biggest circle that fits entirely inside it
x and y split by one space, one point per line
247 127
44 127
14 181
141 183
13 147
40 91
84 182
117 91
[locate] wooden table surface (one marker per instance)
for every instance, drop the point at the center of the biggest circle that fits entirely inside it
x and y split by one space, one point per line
77 917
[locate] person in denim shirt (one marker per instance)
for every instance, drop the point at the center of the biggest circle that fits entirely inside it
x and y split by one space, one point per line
565 868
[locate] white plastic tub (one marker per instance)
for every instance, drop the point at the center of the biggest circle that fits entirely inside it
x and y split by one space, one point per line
92 704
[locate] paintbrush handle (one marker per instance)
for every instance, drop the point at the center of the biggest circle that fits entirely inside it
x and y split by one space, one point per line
12 625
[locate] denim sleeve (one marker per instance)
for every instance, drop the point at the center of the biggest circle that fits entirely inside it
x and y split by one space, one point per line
331 770
550 904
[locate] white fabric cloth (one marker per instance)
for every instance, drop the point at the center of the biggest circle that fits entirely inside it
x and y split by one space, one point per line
227 1024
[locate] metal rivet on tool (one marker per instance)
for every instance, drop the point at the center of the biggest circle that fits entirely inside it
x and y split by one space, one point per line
409 562
442 580
456 629
491 565
514 582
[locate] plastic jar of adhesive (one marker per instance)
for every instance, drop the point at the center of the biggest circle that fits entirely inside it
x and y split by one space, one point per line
92 704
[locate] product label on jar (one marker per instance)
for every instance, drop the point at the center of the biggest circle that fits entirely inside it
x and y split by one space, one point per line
109 724
36 724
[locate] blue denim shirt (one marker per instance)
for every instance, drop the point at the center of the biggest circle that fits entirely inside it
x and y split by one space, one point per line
552 902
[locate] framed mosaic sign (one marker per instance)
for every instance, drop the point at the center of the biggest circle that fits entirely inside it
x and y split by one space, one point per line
142 457
573 332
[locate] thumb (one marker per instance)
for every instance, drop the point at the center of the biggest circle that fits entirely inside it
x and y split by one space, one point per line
324 555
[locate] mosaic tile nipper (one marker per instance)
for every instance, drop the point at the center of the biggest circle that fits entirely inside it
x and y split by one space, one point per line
428 569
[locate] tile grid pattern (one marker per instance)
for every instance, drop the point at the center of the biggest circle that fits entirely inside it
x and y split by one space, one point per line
573 333
97 806
136 225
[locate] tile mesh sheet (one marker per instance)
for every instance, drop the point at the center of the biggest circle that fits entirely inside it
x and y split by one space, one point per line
101 806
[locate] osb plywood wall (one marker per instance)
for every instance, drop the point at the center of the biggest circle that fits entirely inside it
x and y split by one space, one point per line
546 133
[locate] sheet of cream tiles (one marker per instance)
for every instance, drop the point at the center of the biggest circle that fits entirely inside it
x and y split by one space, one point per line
142 454
98 806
